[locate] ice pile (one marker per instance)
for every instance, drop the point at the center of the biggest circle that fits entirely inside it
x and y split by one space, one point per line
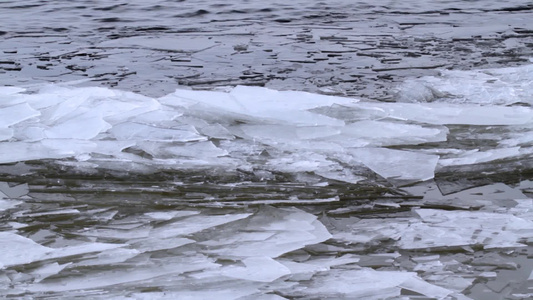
191 255
263 132
502 86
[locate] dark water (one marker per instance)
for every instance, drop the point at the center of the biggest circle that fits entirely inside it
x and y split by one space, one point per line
185 234
355 48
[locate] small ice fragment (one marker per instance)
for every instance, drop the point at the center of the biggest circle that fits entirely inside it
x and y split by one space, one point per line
165 216
53 213
108 257
15 191
262 269
48 270
494 275
8 204
194 224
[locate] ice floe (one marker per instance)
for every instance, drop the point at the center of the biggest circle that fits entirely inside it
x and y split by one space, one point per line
295 132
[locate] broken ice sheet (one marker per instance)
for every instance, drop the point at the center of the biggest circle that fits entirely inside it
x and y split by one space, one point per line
194 224
501 86
271 232
18 250
367 283
398 164
263 269
98 279
441 228
47 271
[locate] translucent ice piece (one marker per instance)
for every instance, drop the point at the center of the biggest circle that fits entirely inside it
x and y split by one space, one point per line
441 228
194 224
397 164
370 284
442 113
83 127
136 131
8 204
263 269
156 244
200 150
17 250
11 115
48 270
127 275
475 157
5 134
165 216
379 133
13 191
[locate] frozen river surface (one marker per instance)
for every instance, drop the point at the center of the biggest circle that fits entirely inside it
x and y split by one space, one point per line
252 150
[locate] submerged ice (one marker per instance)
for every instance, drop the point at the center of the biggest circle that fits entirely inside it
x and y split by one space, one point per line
263 130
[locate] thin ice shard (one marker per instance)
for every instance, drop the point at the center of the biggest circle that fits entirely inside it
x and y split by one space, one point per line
397 164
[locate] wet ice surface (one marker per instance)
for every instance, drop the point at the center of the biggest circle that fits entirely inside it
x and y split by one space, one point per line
142 191
255 192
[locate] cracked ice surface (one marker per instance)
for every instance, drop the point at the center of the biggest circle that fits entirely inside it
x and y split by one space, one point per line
252 193
266 131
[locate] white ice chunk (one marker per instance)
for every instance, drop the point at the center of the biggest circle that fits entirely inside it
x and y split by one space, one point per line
165 216
17 250
6 134
370 284
279 231
379 133
397 164
136 131
8 204
29 133
200 150
108 257
500 86
101 279
263 269
441 228
475 156
10 90
11 115
442 114
83 127
368 230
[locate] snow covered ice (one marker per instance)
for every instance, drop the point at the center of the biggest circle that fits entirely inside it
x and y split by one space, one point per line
253 193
